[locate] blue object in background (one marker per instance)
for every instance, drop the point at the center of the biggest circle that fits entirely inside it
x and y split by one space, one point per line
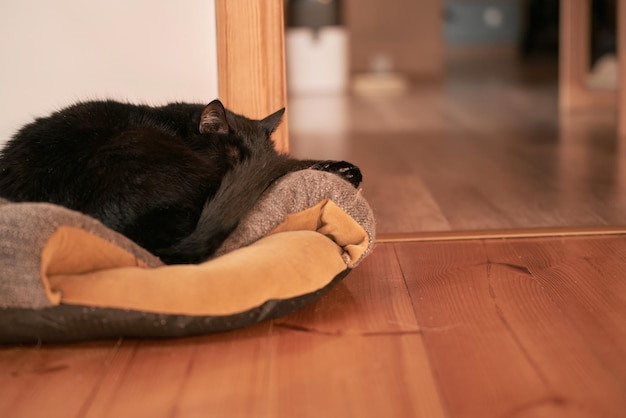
482 22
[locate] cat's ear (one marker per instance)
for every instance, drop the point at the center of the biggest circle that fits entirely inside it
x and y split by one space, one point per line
213 119
271 122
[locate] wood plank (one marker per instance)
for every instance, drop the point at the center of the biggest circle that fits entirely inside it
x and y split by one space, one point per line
585 279
485 156
506 332
574 60
361 335
372 299
353 376
481 369
52 380
499 193
581 376
217 375
401 201
293 373
532 169
621 56
412 197
251 60
230 375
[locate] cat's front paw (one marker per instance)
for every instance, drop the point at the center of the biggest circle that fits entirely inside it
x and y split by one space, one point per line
343 169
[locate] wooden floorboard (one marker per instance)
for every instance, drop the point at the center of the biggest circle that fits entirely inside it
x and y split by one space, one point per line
377 302
591 293
55 380
467 154
502 340
469 328
317 374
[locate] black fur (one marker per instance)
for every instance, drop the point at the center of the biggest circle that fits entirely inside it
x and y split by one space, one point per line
176 179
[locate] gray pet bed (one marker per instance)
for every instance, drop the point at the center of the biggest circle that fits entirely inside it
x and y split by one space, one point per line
66 277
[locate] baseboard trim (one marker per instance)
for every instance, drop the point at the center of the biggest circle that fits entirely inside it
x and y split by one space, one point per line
501 233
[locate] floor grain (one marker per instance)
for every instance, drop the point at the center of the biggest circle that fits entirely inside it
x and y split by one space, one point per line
472 328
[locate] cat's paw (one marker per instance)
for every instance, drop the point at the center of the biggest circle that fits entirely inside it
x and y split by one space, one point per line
343 169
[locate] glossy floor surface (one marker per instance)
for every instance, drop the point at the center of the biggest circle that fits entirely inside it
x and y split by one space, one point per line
485 148
480 328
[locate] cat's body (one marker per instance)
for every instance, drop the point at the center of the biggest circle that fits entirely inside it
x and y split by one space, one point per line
176 179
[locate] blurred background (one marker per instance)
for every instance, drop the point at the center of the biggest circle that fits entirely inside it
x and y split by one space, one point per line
367 46
157 51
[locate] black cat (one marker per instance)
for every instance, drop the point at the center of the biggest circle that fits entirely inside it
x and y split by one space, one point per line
176 179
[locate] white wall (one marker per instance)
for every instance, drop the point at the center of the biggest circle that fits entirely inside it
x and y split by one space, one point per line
53 53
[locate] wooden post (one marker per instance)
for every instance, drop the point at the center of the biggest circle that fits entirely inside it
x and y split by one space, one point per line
574 49
251 60
621 55
574 58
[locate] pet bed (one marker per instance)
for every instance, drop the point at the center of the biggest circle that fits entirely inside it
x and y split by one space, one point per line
66 277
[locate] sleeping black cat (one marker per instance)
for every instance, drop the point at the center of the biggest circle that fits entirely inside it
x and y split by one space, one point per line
176 179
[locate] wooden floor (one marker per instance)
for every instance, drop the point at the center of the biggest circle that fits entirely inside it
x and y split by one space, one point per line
501 327
484 149
481 328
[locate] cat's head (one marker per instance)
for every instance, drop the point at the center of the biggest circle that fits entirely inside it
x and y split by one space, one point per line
215 119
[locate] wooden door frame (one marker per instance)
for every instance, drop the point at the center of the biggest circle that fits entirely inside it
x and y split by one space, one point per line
251 60
621 56
575 49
